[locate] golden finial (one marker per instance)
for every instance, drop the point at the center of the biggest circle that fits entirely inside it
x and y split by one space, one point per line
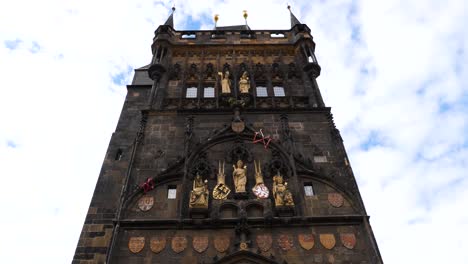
216 17
245 14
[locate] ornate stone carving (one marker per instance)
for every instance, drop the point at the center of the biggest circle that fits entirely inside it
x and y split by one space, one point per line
264 242
244 83
348 240
335 199
202 166
260 190
145 203
327 240
136 244
225 82
281 194
239 151
157 244
306 241
199 195
285 242
179 243
239 175
221 190
200 243
221 243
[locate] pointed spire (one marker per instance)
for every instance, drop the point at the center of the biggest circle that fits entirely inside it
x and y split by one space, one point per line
170 19
245 15
294 20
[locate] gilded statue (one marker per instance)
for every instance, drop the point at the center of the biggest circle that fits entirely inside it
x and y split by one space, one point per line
244 83
282 195
260 190
225 82
221 190
199 195
240 176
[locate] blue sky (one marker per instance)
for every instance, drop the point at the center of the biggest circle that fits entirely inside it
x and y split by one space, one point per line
394 72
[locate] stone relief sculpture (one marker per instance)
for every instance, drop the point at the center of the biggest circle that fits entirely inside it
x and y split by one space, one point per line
281 194
199 195
225 82
260 190
221 190
239 176
244 83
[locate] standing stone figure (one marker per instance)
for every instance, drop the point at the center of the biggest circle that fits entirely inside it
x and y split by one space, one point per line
240 176
225 82
244 83
282 195
199 194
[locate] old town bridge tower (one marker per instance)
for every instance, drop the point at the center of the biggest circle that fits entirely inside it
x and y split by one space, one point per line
226 153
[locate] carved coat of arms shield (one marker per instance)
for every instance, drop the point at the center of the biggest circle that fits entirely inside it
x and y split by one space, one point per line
306 241
200 243
221 243
157 244
238 126
264 242
348 240
335 199
285 242
327 240
178 243
145 203
136 244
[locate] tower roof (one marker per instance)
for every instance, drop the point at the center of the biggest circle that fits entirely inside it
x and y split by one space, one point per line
294 20
170 19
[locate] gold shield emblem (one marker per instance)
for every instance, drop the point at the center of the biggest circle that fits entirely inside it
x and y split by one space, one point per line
335 199
327 240
285 242
157 244
221 243
306 241
348 240
145 203
264 242
200 243
136 244
179 243
238 126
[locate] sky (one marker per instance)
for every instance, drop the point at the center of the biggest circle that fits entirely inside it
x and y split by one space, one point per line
394 72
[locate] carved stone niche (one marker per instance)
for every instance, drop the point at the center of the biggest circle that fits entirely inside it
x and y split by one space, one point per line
275 165
202 166
239 151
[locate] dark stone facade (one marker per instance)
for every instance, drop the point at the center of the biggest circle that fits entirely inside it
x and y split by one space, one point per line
164 139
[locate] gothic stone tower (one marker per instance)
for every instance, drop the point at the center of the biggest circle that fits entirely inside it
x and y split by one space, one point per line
226 153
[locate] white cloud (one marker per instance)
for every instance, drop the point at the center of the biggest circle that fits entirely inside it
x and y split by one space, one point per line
395 70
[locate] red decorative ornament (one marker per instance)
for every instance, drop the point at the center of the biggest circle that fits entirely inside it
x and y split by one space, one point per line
259 137
148 185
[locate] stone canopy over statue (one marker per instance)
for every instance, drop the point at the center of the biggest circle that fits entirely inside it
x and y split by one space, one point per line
225 82
239 176
199 195
244 83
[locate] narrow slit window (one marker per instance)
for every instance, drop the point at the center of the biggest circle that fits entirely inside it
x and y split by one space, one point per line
308 189
191 92
118 154
262 91
209 92
171 192
279 91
